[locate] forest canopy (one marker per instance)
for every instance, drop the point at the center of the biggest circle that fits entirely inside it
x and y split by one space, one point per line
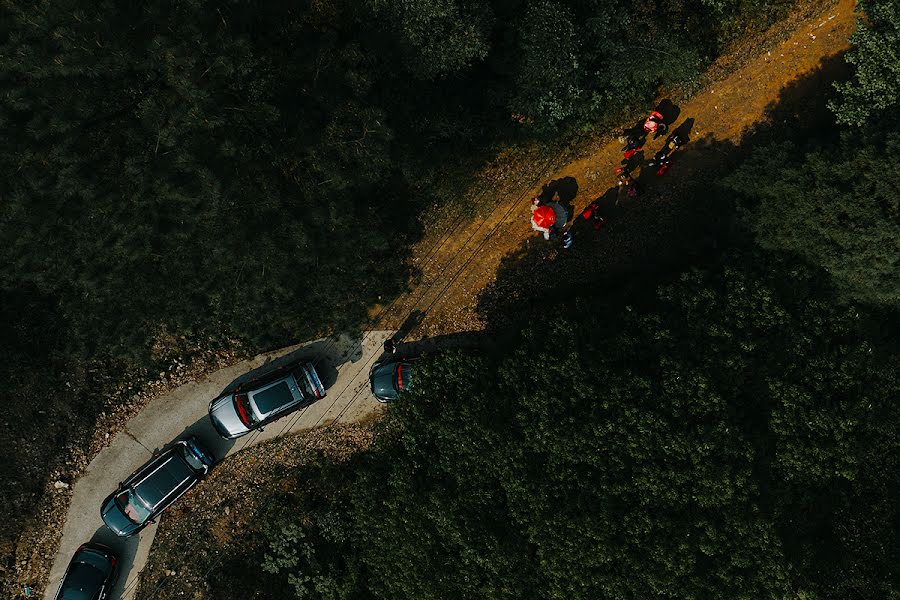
256 171
733 435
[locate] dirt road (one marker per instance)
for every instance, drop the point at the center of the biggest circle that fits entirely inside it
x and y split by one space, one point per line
722 115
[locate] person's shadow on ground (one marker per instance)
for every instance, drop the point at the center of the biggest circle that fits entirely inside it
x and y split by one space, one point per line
566 188
669 110
684 130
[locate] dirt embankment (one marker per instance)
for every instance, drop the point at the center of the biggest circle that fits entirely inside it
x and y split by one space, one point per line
196 537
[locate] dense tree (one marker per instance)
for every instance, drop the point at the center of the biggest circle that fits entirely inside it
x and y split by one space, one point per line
836 205
732 435
547 79
442 36
254 170
876 58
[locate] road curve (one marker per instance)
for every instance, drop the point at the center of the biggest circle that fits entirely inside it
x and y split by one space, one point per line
343 365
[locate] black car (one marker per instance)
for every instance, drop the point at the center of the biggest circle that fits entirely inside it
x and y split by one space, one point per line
263 400
156 485
387 379
90 575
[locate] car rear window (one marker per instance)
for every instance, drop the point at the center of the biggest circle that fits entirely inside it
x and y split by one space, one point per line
82 582
132 507
273 398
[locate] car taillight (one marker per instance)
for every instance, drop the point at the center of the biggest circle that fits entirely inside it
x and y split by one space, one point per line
240 402
112 560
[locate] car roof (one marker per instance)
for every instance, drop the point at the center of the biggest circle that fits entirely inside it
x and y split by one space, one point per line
167 474
273 396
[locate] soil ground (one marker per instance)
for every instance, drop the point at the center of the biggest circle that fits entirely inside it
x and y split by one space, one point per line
466 267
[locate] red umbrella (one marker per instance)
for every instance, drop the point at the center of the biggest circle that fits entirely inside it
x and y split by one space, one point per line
544 216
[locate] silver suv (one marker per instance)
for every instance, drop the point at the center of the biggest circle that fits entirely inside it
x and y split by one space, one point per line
266 399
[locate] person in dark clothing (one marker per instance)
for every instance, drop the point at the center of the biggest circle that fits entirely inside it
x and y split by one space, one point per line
632 144
626 183
662 160
674 142
390 346
592 213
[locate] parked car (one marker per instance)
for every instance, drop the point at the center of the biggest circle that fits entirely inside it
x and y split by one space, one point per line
90 575
155 486
388 378
266 399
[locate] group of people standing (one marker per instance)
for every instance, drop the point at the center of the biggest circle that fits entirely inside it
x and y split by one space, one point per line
634 144
550 217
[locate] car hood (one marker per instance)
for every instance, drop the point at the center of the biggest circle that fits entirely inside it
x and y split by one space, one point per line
225 418
383 381
115 519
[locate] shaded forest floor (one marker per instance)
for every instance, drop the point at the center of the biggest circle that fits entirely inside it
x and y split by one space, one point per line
473 271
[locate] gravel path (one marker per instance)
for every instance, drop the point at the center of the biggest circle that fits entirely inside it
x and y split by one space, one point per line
343 364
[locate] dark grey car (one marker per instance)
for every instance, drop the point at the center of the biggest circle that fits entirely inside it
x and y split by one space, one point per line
387 379
152 488
90 575
266 399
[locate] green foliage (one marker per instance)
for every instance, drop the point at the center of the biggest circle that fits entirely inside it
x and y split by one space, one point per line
640 451
291 553
837 206
181 175
876 58
547 78
442 37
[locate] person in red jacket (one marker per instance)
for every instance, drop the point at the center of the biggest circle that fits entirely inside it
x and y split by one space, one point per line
655 124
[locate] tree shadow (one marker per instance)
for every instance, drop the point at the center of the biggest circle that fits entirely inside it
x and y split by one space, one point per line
679 219
466 340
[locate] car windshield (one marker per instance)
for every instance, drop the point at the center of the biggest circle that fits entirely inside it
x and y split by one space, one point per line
132 507
83 582
242 406
273 398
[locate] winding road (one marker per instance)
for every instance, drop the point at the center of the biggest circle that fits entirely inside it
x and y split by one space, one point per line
343 365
